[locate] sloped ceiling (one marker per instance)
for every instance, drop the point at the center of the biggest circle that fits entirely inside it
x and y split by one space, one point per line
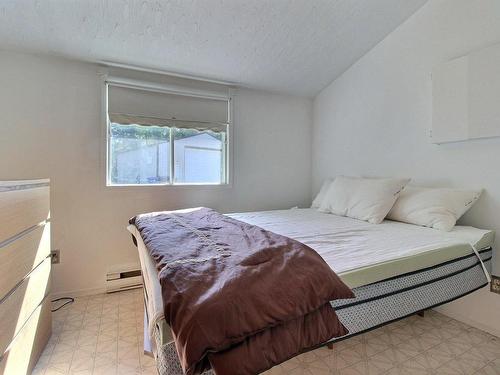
295 47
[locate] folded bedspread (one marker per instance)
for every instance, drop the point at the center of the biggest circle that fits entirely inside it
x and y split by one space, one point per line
238 298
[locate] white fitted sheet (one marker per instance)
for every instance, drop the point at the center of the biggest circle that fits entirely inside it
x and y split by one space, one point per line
347 244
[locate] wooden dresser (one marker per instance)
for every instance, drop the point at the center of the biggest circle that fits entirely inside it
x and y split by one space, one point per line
25 317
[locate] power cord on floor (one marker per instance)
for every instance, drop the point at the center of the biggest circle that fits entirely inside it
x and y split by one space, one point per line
67 299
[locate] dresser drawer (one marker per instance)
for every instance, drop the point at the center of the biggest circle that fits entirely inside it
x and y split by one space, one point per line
19 257
22 205
17 306
25 349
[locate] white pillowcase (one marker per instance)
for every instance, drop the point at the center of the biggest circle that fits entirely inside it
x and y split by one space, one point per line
321 195
438 208
368 199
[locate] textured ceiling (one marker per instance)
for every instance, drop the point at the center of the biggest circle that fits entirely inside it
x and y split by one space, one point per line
296 47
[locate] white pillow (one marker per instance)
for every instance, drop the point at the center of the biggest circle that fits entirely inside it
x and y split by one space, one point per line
434 208
321 195
368 199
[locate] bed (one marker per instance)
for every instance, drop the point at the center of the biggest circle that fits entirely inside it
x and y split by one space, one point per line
395 269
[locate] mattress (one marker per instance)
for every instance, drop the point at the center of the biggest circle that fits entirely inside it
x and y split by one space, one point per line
384 302
394 298
359 252
362 253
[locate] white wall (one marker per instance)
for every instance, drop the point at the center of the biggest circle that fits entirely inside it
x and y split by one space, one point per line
374 120
50 127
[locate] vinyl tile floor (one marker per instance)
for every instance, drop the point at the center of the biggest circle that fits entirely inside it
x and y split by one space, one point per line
103 334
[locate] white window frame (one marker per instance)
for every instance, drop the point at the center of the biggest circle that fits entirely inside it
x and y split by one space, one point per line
107 80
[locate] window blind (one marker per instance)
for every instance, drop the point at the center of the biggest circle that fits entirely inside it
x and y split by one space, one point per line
137 106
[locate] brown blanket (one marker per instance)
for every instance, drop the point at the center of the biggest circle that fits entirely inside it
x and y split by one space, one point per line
239 298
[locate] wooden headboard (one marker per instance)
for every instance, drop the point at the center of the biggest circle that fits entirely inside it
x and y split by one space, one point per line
25 266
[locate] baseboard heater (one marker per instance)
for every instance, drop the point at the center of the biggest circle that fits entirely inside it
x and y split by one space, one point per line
125 279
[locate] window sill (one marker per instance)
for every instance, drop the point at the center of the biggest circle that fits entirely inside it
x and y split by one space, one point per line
135 187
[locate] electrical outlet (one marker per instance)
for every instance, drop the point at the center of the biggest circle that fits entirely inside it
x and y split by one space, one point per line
55 256
495 284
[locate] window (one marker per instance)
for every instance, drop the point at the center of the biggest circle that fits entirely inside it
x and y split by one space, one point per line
139 154
199 156
148 145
